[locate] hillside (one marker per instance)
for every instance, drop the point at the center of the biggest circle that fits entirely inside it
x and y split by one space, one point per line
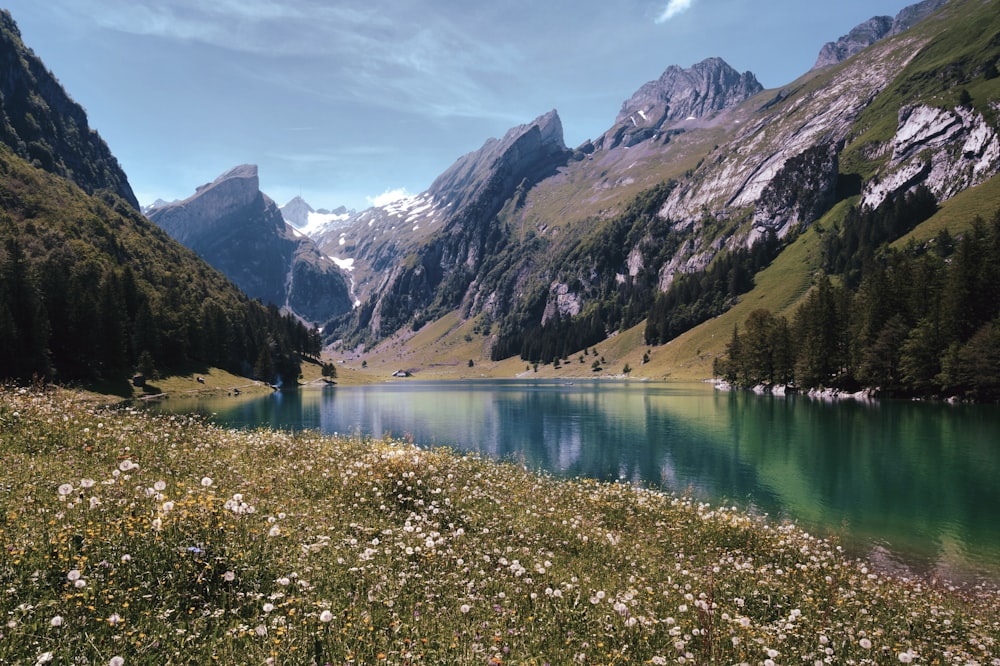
667 229
93 291
42 124
240 231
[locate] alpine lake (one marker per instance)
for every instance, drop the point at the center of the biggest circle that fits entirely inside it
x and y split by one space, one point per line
912 486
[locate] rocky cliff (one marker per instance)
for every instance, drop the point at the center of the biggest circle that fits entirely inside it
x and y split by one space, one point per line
43 125
445 233
524 155
678 95
240 231
874 29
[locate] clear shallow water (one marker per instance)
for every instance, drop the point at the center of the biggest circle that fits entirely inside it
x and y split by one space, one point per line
912 485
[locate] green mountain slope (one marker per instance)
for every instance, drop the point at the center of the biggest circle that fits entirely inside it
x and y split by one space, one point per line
91 290
42 124
587 260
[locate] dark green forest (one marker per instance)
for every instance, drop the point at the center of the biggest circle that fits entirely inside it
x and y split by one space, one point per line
923 320
92 291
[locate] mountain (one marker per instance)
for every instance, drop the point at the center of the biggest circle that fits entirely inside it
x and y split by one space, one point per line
43 125
240 231
679 95
296 212
667 219
445 235
872 30
90 290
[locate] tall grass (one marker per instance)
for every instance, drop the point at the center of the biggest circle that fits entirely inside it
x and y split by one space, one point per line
132 539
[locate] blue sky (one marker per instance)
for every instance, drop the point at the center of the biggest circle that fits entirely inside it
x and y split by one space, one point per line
344 101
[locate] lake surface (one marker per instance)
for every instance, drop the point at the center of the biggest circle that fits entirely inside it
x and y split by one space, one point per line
911 485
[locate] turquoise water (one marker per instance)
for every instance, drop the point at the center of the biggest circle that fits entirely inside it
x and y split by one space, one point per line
915 486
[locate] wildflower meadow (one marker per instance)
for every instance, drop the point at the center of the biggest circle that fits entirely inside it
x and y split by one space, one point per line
128 538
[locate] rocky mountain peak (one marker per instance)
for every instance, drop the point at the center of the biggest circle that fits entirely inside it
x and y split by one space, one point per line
525 151
296 212
874 29
227 195
709 86
678 95
240 231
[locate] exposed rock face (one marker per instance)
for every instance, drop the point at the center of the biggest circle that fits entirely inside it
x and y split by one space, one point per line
804 189
873 30
40 122
948 150
858 39
296 212
448 231
240 231
679 94
526 152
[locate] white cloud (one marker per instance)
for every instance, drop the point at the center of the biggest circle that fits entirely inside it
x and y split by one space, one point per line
389 196
673 8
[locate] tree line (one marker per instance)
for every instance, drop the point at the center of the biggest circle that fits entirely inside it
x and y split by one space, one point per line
918 321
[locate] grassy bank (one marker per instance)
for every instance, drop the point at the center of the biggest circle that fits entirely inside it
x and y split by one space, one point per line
164 540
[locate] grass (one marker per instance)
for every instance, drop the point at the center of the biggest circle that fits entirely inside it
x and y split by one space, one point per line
128 538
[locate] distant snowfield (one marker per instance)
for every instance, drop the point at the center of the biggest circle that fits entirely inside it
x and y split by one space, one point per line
320 222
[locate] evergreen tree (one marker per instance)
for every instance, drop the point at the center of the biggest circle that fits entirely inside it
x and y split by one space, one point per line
263 368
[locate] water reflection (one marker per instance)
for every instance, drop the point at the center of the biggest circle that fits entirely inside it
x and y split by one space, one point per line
913 483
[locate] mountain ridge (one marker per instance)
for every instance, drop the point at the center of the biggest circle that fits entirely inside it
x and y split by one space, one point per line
43 125
874 29
240 230
772 163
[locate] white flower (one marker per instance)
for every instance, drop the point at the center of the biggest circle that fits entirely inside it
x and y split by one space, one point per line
260 630
274 531
167 507
905 657
229 576
865 643
65 489
114 619
44 658
126 465
87 483
73 575
56 621
206 481
268 607
160 486
116 661
157 524
465 608
326 616
283 581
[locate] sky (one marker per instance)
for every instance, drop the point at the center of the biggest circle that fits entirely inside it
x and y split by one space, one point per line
353 102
